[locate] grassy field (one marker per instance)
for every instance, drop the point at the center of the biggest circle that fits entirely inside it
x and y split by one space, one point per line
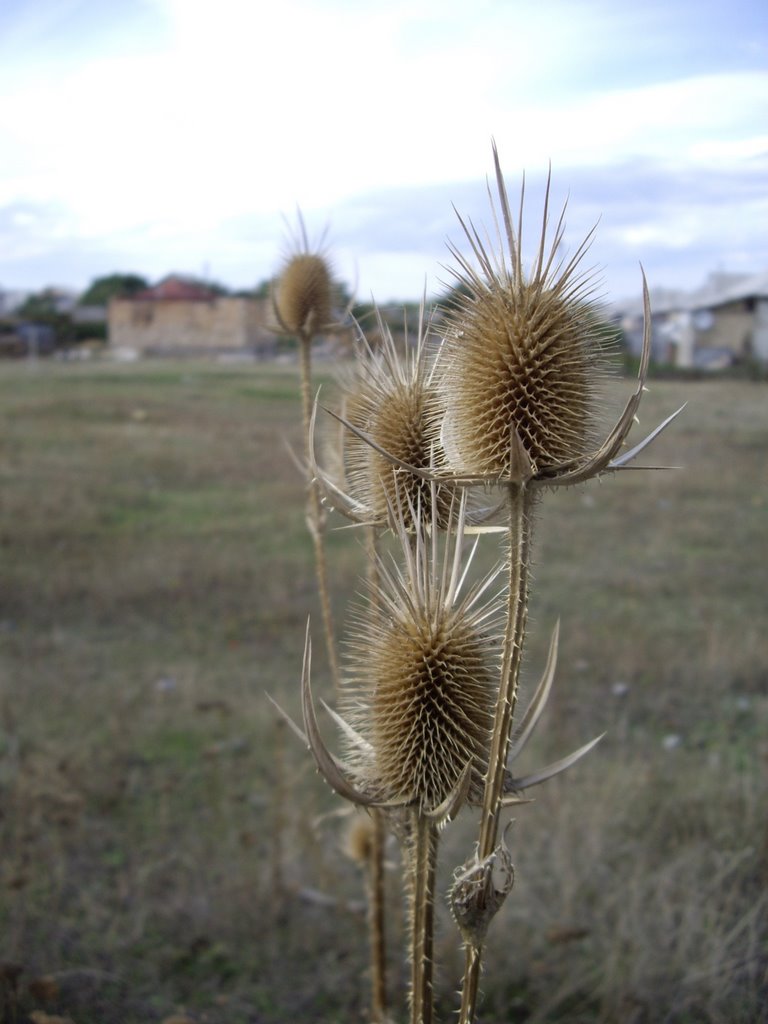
166 848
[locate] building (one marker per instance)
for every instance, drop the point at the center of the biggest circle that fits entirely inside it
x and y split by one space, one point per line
10 300
722 323
733 320
181 316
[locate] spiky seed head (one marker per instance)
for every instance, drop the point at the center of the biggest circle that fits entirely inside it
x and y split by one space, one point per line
424 665
431 707
524 359
304 294
519 363
403 419
393 399
359 839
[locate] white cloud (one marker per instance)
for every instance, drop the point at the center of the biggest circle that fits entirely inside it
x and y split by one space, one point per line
669 121
188 141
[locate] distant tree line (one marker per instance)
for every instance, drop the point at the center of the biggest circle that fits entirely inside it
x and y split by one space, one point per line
113 286
47 309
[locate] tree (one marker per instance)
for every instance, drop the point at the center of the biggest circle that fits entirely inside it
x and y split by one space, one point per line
102 289
43 308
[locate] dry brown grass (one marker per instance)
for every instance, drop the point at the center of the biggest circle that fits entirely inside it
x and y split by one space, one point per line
153 585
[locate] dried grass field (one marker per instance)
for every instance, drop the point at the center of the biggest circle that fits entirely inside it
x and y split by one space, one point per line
166 849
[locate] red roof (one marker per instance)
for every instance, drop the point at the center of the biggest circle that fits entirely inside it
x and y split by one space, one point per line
175 287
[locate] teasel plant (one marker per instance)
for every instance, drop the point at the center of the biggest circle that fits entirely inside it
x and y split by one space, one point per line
303 303
416 708
303 307
389 391
431 724
524 368
417 717
521 370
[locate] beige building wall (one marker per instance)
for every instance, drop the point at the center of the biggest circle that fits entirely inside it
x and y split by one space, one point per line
730 326
219 325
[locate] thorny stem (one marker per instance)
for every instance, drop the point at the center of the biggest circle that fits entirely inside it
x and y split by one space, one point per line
376 921
423 865
316 517
473 956
316 513
376 924
520 528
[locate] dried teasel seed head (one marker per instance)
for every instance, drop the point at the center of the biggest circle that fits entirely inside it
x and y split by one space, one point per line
401 417
525 357
392 398
424 666
359 839
430 711
521 367
305 294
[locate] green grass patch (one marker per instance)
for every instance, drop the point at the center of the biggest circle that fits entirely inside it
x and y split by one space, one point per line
160 828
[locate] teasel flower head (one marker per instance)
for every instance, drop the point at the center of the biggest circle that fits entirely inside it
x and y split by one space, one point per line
359 839
390 396
423 669
304 294
525 362
384 448
423 666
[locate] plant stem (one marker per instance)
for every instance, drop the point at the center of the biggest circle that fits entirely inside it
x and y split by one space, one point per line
472 965
520 503
376 919
316 513
520 528
376 922
423 869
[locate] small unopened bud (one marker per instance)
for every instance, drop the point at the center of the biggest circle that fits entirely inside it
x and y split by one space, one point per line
479 888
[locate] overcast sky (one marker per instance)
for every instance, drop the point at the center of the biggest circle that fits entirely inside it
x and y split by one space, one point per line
153 136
